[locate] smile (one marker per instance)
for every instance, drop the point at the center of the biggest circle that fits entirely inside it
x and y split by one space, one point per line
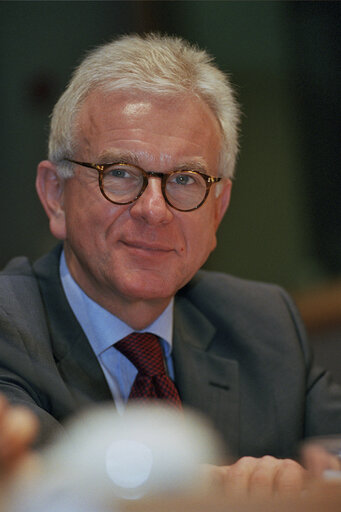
150 247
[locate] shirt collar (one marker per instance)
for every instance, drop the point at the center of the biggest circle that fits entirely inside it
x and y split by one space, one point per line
101 327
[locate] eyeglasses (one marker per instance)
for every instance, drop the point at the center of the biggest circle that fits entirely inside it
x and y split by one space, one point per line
122 183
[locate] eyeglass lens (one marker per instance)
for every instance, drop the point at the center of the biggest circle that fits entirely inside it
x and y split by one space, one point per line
184 189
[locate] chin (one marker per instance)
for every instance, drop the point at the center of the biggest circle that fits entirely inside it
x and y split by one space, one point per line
148 287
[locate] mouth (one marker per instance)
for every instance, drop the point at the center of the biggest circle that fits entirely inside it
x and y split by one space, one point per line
147 247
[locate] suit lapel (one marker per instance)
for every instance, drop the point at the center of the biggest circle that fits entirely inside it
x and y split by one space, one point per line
207 381
74 356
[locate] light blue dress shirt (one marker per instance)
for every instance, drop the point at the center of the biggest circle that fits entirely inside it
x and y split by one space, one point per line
103 330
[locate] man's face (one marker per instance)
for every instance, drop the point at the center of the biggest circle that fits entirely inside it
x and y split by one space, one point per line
144 251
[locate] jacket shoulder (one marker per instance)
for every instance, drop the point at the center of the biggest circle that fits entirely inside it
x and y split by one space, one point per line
226 299
22 314
17 279
17 266
207 285
20 278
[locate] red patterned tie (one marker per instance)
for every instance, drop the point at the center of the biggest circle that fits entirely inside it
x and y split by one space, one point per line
152 382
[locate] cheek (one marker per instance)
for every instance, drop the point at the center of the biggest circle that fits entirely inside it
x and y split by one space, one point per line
82 218
201 240
82 206
94 225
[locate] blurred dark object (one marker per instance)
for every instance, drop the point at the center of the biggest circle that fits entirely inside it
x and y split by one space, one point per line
315 34
316 50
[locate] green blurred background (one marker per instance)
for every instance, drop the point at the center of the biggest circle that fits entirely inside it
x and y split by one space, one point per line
284 221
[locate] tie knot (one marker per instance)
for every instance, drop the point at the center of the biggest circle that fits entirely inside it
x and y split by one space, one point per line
144 351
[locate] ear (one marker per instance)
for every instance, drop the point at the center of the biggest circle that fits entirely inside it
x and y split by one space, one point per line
50 187
222 202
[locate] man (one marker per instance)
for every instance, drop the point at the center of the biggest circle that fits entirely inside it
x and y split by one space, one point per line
141 155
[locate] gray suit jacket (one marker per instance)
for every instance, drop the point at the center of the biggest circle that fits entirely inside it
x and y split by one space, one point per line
240 357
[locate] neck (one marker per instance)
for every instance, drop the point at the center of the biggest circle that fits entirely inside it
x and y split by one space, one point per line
136 314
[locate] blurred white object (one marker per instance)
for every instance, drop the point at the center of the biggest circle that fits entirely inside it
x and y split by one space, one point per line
107 457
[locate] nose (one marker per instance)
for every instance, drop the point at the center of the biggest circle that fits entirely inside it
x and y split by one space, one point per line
151 206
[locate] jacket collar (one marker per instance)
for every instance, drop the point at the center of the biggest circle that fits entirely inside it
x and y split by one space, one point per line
74 356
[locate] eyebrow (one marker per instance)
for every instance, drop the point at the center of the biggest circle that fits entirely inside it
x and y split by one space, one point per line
193 165
128 157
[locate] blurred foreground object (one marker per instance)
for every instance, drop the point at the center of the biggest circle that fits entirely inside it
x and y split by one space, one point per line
106 458
18 430
322 457
148 460
322 497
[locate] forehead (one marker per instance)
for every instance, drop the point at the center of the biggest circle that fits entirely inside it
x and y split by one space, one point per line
155 128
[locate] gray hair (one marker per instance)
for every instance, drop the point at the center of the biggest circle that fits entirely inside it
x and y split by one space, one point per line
154 64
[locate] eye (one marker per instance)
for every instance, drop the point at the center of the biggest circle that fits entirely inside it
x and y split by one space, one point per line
118 172
182 178
122 171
